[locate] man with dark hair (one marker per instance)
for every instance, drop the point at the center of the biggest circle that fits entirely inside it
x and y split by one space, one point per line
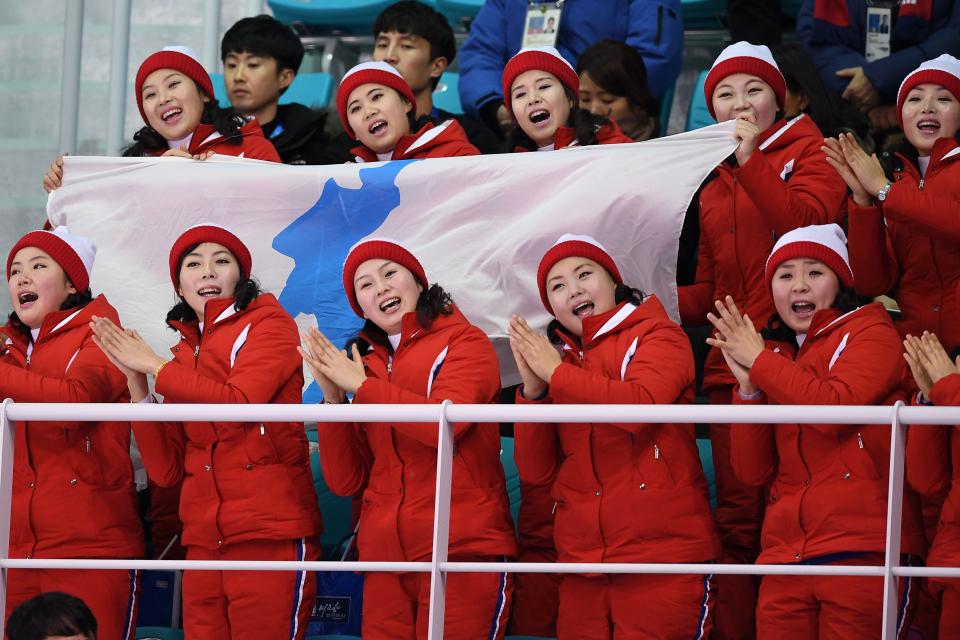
52 616
261 57
418 41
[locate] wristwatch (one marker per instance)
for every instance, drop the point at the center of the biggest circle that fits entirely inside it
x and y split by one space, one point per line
882 194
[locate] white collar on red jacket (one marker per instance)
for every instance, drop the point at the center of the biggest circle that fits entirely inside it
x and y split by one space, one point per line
615 320
226 313
951 153
783 129
428 136
836 320
64 322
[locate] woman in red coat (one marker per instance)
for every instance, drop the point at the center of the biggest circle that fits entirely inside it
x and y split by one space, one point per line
378 110
622 492
828 497
542 94
415 348
777 180
73 488
933 466
247 489
182 118
904 235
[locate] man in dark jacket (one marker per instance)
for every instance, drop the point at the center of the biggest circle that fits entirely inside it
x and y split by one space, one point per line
261 57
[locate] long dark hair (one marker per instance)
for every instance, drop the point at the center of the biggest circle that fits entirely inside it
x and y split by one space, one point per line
617 68
226 120
246 291
432 303
77 300
584 123
846 301
623 293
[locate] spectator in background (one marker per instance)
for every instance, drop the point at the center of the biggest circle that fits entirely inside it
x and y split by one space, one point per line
261 58
52 616
613 84
806 93
418 41
834 32
755 21
653 28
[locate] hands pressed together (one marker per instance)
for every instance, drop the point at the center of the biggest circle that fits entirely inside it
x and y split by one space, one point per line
928 360
738 341
128 352
863 173
335 372
536 357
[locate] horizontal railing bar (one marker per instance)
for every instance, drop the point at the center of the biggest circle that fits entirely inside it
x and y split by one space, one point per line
927 572
772 414
211 565
657 568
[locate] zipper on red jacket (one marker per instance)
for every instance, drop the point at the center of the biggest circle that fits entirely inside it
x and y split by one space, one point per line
859 440
656 451
921 183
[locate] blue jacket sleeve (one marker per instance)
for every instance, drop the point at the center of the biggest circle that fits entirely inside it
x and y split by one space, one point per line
655 30
482 58
828 53
887 73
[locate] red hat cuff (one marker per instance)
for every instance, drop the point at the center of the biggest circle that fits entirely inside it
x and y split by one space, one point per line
926 76
382 249
209 233
811 250
57 244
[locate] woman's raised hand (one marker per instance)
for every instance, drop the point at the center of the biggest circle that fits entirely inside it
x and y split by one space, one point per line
332 368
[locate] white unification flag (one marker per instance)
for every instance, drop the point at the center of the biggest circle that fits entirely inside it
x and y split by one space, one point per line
478 224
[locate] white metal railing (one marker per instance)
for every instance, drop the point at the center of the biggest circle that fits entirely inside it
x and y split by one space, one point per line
448 413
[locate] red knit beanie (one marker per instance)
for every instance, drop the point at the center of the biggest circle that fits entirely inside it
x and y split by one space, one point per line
181 59
743 57
572 245
209 233
823 242
944 71
371 72
383 249
74 254
544 59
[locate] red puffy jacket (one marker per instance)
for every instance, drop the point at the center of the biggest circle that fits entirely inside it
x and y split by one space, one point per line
446 140
241 481
933 470
623 492
73 490
252 145
452 360
609 133
743 211
918 227
829 491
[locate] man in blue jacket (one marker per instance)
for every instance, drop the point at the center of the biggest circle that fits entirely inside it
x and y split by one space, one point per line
834 33
653 27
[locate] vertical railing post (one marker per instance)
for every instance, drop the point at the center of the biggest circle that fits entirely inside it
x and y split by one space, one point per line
441 525
6 496
70 81
894 512
211 35
119 50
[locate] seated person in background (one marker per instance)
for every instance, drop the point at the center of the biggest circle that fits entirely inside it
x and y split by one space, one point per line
379 111
613 84
653 28
834 32
418 41
261 57
806 93
52 616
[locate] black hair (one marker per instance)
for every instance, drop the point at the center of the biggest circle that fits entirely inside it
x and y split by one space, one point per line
585 124
618 69
622 293
51 614
846 301
828 112
226 120
409 17
77 300
432 303
266 37
246 291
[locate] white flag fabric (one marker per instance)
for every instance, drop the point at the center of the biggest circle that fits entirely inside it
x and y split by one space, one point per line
478 224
